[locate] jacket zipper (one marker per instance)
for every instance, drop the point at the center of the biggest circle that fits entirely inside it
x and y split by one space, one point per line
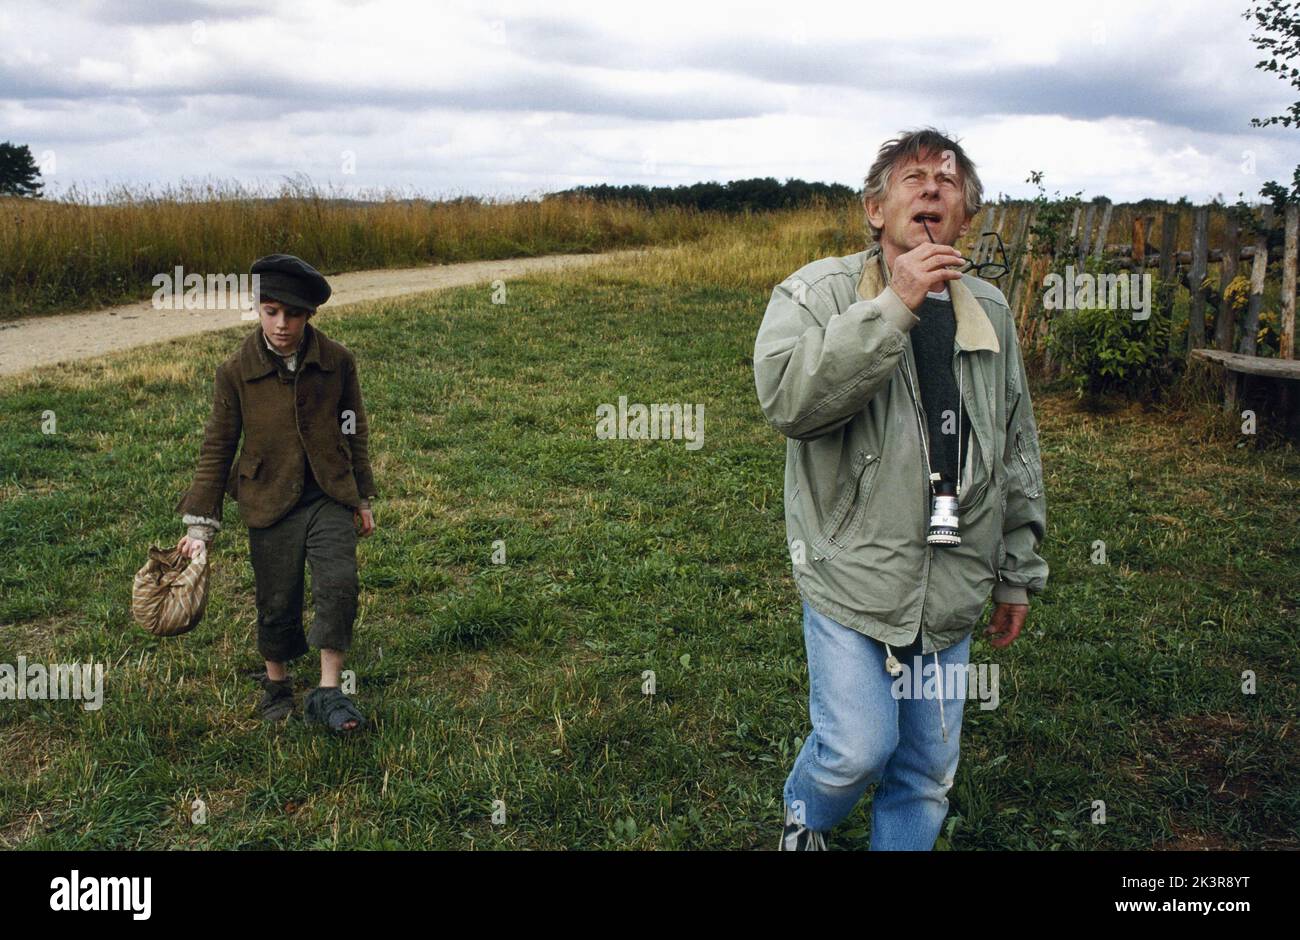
1029 476
1029 473
929 549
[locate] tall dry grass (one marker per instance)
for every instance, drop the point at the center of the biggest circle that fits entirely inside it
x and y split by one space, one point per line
80 252
754 251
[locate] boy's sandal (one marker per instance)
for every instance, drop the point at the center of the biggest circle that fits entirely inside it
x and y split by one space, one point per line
277 699
327 705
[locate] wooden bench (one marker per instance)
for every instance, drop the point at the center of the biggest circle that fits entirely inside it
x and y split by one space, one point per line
1237 367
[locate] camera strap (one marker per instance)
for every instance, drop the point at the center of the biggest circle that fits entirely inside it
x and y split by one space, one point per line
920 420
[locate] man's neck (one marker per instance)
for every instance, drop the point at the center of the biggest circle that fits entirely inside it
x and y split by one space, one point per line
889 252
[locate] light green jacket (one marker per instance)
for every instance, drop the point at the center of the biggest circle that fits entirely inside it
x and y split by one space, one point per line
832 363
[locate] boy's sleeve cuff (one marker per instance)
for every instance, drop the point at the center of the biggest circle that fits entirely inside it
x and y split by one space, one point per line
894 311
1004 593
200 527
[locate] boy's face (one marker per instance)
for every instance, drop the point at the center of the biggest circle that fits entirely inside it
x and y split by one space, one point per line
283 327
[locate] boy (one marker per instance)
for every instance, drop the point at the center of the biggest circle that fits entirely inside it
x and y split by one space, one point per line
302 482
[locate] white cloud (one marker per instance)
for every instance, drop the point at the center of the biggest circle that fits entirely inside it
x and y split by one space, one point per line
1123 99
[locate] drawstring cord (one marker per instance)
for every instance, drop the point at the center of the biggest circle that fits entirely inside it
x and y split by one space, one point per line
892 665
895 668
942 726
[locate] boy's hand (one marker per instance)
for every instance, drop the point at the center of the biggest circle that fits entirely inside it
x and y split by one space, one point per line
367 519
191 548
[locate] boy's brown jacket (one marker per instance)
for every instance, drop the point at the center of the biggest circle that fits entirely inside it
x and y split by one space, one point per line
280 421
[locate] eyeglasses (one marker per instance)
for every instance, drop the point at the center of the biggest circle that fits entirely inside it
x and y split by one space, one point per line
988 270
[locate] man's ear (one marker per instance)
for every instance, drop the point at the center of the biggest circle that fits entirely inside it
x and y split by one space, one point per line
872 208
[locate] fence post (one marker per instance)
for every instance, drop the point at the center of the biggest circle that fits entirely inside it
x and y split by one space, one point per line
1286 347
1226 323
1016 252
1258 270
1086 234
983 251
1195 275
1168 265
1100 250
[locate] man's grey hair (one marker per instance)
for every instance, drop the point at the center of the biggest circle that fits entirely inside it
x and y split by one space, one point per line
916 145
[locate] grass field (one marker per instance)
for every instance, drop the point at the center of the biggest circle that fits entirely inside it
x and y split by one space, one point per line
522 682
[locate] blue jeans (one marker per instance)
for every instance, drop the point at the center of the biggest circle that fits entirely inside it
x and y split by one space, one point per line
863 734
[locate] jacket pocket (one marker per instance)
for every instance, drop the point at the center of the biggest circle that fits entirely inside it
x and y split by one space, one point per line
849 509
1027 468
972 496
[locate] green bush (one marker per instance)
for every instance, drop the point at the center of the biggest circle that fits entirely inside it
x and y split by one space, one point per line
1106 351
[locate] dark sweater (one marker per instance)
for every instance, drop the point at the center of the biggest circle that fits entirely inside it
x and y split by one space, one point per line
932 346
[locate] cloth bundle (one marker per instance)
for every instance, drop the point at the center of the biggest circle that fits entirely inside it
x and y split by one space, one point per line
170 592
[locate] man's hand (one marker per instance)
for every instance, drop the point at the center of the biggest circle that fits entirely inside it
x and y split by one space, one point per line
367 519
927 267
1004 626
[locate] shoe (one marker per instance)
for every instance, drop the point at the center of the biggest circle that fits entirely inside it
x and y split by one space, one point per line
327 705
276 704
799 838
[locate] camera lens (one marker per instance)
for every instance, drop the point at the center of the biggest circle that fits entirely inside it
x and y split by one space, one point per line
943 516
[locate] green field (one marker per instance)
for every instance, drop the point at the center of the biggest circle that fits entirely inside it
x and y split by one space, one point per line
522 682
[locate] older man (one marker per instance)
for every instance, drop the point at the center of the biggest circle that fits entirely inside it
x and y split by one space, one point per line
913 489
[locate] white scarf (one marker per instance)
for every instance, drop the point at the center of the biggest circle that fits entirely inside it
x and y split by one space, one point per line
290 359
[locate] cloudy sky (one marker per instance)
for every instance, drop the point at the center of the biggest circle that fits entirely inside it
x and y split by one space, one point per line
1124 99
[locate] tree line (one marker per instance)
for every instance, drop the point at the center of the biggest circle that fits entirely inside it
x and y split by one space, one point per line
752 195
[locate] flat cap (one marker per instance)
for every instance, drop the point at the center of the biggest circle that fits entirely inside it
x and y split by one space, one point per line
290 280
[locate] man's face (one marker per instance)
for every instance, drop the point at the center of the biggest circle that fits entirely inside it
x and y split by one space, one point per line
283 329
931 188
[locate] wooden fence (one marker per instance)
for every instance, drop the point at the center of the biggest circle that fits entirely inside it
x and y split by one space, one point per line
1174 241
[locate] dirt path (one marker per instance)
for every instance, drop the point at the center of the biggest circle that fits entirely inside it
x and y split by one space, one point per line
47 340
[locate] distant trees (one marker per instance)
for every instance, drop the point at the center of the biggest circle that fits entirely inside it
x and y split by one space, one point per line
752 195
18 172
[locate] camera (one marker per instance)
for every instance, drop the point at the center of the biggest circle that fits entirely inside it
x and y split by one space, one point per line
944 523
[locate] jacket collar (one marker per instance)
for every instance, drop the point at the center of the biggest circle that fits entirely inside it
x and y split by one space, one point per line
974 329
255 359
